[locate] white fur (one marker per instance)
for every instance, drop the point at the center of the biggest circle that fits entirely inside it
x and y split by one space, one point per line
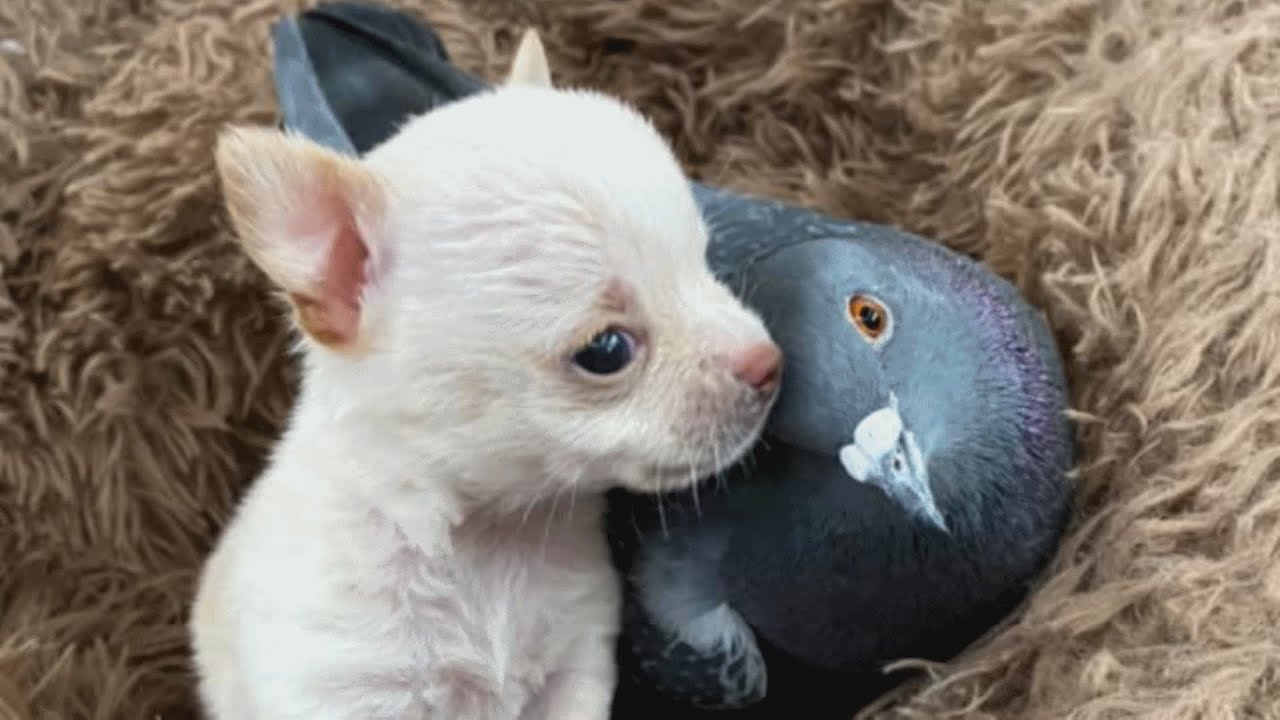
426 540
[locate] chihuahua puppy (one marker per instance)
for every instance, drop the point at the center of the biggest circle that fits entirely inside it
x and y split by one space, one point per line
503 311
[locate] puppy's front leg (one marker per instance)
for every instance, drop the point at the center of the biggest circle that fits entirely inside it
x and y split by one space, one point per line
583 690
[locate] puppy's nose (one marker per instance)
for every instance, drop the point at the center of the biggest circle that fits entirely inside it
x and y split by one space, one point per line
758 365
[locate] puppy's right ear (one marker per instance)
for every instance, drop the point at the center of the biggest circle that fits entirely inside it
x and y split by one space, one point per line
312 220
530 66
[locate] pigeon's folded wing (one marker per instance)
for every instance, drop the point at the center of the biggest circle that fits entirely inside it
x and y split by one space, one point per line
679 636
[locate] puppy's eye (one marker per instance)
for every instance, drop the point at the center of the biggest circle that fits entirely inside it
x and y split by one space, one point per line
869 316
607 353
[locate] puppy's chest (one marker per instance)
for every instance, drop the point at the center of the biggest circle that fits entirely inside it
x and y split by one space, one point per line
506 605
543 584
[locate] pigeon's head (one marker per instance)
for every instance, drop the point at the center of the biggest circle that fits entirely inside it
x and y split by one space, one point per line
917 369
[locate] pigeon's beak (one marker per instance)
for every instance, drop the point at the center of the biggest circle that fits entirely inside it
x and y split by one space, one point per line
884 453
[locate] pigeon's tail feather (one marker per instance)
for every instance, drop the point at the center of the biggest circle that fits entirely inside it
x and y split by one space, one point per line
304 109
350 74
381 25
684 639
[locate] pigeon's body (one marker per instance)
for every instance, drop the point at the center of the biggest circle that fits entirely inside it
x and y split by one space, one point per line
911 482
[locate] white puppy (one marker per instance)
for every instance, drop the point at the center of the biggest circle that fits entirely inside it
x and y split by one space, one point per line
505 310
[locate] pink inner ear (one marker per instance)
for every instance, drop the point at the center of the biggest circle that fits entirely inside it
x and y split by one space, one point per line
332 313
344 279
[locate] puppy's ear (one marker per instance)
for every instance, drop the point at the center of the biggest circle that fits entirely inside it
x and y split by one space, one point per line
310 218
530 67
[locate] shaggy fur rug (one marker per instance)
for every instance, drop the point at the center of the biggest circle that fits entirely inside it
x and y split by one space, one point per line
1118 159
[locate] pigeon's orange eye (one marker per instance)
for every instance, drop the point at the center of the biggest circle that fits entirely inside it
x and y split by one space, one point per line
869 316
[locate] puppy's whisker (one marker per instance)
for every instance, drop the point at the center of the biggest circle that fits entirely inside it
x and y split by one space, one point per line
535 500
551 514
573 498
689 458
662 513
693 482
715 450
721 483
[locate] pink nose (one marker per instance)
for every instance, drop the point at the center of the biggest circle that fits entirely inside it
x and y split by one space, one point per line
758 366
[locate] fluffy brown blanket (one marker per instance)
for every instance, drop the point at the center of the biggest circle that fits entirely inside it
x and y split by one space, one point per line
1120 160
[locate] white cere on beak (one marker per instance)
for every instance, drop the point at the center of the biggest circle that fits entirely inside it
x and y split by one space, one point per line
885 453
875 438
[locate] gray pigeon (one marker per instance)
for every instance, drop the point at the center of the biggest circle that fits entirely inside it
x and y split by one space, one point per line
910 484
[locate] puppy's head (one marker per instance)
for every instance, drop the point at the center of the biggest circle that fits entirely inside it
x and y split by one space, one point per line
521 273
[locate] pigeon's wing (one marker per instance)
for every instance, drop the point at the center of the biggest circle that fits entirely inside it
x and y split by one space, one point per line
680 638
349 74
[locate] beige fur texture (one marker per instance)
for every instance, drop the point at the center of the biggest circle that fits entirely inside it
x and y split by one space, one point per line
426 539
1115 158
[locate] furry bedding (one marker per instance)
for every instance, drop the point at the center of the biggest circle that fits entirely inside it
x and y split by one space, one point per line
1119 160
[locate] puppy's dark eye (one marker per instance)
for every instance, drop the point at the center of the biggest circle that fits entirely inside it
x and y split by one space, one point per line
607 353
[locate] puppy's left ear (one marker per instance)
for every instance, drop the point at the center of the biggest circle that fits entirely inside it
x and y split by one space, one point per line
311 219
530 66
